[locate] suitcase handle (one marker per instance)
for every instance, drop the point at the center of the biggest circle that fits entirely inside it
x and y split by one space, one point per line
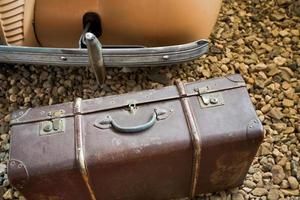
134 129
109 122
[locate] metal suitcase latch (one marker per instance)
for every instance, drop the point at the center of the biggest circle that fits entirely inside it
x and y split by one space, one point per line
53 126
208 100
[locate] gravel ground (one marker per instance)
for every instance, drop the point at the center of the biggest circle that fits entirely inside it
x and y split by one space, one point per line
257 38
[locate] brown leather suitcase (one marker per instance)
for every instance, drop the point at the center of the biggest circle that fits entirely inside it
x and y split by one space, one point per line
158 144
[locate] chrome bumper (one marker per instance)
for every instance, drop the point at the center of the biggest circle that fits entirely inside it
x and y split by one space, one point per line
111 57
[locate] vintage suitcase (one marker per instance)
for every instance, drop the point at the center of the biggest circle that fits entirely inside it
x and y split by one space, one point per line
158 144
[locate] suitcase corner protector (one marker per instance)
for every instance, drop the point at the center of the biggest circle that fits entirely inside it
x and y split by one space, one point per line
18 115
17 173
255 130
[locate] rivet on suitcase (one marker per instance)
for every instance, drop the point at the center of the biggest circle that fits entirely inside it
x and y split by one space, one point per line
158 144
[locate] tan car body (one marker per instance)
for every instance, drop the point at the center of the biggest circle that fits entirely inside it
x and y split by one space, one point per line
57 23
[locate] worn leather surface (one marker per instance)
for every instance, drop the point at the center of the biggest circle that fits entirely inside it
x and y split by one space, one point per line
153 164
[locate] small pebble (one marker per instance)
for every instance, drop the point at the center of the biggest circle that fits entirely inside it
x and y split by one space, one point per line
294 184
273 194
278 174
259 192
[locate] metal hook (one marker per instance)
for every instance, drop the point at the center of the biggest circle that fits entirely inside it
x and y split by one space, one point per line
95 57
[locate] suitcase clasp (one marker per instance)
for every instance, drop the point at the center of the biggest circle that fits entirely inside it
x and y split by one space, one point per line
208 100
53 126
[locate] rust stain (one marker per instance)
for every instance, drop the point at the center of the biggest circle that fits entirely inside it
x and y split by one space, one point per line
86 180
230 169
